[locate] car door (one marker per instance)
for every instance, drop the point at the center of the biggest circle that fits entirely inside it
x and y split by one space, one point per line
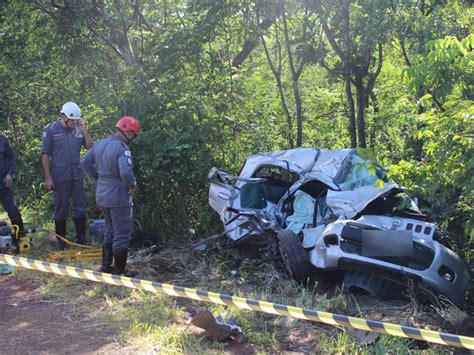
222 191
225 194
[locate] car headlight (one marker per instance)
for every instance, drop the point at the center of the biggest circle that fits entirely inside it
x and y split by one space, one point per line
448 277
446 273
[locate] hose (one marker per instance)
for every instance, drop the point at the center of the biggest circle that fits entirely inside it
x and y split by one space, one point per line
91 253
74 254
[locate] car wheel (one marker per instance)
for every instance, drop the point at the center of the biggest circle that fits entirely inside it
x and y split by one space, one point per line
294 257
371 283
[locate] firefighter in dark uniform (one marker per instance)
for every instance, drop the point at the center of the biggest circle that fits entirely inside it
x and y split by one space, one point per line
60 158
7 169
109 162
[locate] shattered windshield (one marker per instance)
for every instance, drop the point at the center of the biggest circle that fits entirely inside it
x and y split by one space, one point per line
395 203
403 202
356 172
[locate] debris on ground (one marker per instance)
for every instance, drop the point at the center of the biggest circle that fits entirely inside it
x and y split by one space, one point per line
216 326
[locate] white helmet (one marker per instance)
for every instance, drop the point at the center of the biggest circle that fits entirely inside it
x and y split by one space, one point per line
71 110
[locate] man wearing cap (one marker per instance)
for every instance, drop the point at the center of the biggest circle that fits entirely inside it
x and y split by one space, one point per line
109 162
7 168
60 158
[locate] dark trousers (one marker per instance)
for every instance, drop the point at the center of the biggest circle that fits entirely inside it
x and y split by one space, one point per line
69 190
119 227
8 202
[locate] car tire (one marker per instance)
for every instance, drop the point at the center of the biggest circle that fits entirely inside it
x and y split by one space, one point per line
375 285
295 258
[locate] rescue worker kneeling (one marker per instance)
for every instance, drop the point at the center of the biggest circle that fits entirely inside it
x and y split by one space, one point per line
109 162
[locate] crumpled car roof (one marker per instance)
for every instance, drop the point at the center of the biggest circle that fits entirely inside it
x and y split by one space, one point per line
300 160
324 165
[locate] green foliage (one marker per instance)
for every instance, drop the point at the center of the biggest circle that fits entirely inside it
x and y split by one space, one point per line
444 177
170 65
343 343
449 63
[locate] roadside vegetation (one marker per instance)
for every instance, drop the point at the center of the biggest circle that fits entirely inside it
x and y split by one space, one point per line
156 322
214 81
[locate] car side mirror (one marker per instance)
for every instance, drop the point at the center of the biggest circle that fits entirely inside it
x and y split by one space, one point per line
212 172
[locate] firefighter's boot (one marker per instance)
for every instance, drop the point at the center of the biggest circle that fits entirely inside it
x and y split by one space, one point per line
80 224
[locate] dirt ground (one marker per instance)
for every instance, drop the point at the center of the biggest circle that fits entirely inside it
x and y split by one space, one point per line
31 325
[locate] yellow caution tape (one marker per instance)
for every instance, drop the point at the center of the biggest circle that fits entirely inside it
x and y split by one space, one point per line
244 303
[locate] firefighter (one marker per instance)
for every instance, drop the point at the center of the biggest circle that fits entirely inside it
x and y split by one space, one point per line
7 169
109 162
60 158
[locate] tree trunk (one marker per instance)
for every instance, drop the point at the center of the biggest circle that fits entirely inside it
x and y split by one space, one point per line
250 44
360 93
287 112
374 127
299 115
276 70
295 75
351 109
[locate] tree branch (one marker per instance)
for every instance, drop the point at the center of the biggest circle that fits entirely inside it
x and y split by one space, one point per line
405 54
269 59
374 76
250 44
332 71
436 101
141 18
43 8
287 42
330 35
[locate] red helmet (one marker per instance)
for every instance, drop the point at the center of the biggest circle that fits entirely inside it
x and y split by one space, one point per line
128 124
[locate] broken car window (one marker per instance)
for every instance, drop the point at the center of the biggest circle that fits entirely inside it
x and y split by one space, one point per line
356 172
276 174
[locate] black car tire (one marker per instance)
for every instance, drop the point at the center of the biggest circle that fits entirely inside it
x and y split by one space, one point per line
375 285
295 258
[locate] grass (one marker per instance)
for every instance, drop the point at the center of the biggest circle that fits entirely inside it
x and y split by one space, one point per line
157 322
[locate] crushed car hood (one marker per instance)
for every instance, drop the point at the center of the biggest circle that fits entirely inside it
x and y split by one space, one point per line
347 204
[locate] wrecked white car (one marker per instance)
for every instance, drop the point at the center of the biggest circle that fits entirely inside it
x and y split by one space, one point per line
333 210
